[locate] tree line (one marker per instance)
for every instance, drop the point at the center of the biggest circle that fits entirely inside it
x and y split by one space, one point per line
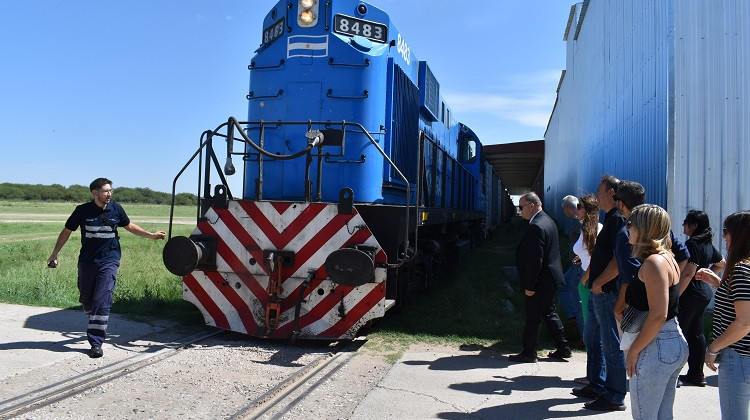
81 193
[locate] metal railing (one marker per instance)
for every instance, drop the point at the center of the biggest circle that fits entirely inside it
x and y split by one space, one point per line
315 140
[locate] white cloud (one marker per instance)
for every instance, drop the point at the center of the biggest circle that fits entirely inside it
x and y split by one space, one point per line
526 99
533 111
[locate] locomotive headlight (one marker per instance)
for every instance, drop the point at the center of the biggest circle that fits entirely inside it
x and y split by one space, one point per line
307 15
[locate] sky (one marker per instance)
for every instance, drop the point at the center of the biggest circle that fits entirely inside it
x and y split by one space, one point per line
124 89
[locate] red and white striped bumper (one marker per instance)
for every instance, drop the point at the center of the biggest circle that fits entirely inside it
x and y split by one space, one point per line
235 296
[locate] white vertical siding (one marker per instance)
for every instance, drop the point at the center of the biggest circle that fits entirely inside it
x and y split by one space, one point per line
656 91
712 110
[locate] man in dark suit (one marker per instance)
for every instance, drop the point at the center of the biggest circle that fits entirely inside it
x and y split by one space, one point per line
540 272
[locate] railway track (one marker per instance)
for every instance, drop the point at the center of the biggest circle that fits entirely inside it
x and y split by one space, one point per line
274 402
65 389
282 395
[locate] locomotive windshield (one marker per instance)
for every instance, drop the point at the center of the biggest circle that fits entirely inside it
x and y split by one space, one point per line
469 150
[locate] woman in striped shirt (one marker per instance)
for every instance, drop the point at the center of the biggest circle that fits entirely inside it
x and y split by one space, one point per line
731 323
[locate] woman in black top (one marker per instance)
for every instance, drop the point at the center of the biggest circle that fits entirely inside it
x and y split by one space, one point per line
695 295
658 350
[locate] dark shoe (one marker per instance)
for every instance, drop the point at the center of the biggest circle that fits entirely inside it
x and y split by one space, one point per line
95 352
586 392
560 354
522 358
691 380
603 404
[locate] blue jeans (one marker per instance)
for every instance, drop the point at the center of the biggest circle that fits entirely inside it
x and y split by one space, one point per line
734 384
569 297
652 389
605 364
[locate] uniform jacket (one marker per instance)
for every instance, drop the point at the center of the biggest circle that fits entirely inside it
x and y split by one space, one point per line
538 255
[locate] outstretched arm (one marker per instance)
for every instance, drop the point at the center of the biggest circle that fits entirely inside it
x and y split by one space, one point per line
61 240
143 233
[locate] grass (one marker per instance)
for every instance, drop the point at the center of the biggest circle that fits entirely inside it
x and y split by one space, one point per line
465 307
144 286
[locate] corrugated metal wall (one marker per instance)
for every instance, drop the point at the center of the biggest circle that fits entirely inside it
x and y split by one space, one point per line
657 92
712 109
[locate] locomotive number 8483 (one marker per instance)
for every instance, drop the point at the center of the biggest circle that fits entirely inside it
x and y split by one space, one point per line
359 185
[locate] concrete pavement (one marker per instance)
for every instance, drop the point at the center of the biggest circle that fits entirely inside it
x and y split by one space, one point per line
471 383
427 382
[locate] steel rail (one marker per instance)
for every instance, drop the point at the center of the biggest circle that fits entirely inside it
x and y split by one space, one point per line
271 398
48 395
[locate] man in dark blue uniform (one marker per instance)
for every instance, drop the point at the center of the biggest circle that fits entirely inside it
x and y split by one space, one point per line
100 255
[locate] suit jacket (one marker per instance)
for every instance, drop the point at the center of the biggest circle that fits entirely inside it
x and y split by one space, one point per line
538 255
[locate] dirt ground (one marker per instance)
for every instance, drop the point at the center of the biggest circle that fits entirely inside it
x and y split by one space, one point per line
212 379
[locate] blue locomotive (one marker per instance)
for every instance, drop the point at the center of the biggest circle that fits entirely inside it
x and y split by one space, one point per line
359 185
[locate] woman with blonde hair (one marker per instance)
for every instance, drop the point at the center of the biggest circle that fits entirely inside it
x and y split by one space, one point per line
731 323
657 349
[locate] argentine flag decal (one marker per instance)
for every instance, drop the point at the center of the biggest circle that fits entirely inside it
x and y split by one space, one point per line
307 46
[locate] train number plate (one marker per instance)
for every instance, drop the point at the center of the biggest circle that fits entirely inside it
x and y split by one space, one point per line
273 32
348 25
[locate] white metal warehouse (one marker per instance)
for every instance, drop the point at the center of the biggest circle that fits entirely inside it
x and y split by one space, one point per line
655 91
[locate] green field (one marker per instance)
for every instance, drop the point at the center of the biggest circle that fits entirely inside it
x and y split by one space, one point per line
461 308
28 231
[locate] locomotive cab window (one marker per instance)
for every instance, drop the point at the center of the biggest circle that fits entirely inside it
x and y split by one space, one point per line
469 150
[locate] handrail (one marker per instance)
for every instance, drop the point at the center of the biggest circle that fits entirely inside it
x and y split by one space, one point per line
251 95
207 142
332 63
233 121
233 125
330 94
251 66
288 26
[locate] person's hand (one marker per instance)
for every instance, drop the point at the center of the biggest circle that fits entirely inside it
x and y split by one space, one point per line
620 310
529 292
585 278
596 288
576 260
709 277
159 235
52 261
710 360
631 362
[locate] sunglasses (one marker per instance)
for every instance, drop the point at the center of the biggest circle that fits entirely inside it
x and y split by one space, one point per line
579 206
616 197
724 231
521 206
628 224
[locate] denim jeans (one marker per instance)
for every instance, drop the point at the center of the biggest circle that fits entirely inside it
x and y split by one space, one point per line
605 367
592 339
652 389
734 384
569 297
